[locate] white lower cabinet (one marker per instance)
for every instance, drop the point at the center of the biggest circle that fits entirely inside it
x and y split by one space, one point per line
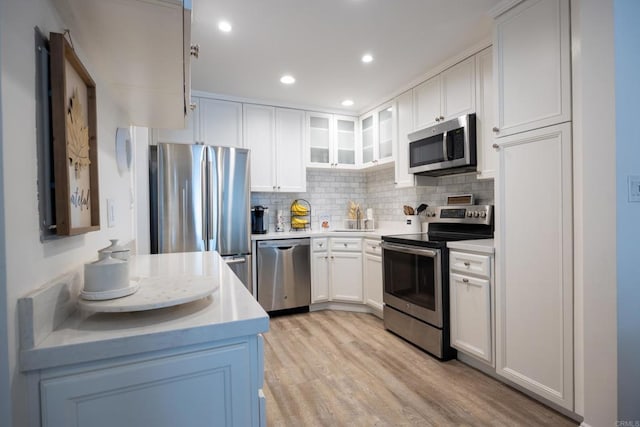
319 276
219 385
470 288
336 273
346 277
372 274
534 262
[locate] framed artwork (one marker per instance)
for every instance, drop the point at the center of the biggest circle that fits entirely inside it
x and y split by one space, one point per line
75 145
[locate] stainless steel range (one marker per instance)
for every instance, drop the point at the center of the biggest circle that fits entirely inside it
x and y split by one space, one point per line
416 275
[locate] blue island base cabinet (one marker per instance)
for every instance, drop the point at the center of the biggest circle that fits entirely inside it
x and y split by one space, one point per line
204 385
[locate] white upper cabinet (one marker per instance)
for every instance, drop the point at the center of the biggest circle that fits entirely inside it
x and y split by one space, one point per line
447 95
331 140
259 137
532 66
404 125
486 154
426 103
220 122
275 137
378 135
458 89
291 173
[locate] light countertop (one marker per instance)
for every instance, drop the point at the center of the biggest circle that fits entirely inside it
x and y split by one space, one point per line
231 311
485 246
386 228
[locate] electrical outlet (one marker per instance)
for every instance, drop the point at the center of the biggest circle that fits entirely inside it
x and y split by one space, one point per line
111 213
634 188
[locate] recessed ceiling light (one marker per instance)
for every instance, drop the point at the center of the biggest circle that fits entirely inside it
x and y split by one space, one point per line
287 79
366 58
347 103
224 26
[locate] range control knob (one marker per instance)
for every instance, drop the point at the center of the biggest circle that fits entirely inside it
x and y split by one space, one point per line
476 214
483 214
469 214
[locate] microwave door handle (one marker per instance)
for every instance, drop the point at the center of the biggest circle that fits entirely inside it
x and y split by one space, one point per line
444 146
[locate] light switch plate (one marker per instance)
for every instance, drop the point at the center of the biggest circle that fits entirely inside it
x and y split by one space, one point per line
634 188
111 213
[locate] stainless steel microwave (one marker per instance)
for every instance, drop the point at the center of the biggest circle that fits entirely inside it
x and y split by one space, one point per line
446 148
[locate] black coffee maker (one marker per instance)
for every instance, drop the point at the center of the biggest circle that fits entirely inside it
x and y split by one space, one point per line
259 219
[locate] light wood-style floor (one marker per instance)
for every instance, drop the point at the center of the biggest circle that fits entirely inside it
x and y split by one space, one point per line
333 368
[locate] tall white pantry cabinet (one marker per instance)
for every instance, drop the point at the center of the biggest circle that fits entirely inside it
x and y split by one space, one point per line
534 241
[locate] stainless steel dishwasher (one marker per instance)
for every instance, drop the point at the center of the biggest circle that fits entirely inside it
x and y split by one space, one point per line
284 273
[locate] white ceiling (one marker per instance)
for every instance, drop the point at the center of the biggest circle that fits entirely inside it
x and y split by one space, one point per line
320 42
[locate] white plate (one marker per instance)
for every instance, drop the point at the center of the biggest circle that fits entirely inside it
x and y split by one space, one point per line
156 292
112 294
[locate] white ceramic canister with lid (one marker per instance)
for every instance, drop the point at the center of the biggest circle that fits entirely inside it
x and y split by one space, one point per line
106 274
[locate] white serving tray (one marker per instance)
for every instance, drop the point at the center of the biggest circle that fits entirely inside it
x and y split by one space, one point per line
156 292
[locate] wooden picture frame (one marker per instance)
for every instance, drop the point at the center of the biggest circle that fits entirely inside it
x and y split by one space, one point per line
75 144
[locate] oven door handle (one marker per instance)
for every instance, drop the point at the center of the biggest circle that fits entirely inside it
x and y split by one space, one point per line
410 250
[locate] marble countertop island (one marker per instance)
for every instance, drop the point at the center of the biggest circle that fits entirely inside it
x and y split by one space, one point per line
54 332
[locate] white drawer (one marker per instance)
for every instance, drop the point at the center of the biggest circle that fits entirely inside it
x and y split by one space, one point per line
346 244
470 263
373 246
319 245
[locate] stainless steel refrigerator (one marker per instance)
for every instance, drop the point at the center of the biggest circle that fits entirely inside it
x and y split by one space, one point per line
200 201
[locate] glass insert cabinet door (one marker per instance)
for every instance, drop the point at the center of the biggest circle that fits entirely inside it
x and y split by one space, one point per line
331 140
385 132
368 139
345 140
320 139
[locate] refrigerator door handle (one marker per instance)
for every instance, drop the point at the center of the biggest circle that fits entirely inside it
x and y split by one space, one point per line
203 204
212 201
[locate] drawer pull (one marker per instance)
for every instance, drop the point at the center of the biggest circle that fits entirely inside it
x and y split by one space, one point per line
345 245
467 264
465 280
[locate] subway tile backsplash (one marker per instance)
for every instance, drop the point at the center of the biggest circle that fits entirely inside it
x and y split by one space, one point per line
329 192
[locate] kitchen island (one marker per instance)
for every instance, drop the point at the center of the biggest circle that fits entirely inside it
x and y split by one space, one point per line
199 363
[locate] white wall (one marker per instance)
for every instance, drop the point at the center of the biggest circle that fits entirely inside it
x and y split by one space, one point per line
140 139
594 181
29 262
5 401
627 55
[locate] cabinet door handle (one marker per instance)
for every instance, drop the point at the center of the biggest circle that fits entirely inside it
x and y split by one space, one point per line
465 280
278 187
496 146
441 117
467 263
193 106
437 119
326 257
331 256
495 129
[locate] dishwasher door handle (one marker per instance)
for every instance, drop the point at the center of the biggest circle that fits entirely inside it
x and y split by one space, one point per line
284 248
